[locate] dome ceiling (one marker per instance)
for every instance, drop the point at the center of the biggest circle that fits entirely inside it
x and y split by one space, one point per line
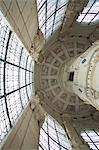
47 77
69 41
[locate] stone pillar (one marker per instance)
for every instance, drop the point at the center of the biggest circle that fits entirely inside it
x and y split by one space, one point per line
75 138
25 134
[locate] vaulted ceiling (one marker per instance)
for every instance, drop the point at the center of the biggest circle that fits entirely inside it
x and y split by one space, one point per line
70 39
54 31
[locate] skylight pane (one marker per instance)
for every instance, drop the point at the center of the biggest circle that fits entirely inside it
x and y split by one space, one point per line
4 121
14 106
16 71
14 52
92 138
95 8
54 145
24 96
90 3
90 14
22 77
96 18
51 7
4 32
44 139
51 138
1 77
40 3
59 15
88 18
61 3
58 19
47 12
93 146
81 16
41 16
29 63
11 78
49 23
52 133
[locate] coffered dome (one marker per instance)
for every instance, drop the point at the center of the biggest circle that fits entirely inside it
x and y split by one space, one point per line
47 78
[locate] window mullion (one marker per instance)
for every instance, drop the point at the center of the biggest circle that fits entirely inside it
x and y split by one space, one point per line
19 70
25 77
4 78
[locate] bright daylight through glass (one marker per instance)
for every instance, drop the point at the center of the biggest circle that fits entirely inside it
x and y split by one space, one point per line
16 71
50 15
52 136
90 14
92 138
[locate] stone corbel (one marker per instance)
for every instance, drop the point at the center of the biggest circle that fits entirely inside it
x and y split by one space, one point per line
37 45
37 109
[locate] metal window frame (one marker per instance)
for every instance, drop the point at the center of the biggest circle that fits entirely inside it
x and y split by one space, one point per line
45 3
48 136
90 138
5 76
87 13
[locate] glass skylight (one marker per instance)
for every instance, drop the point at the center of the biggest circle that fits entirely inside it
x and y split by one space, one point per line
90 14
16 71
52 136
50 15
92 138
